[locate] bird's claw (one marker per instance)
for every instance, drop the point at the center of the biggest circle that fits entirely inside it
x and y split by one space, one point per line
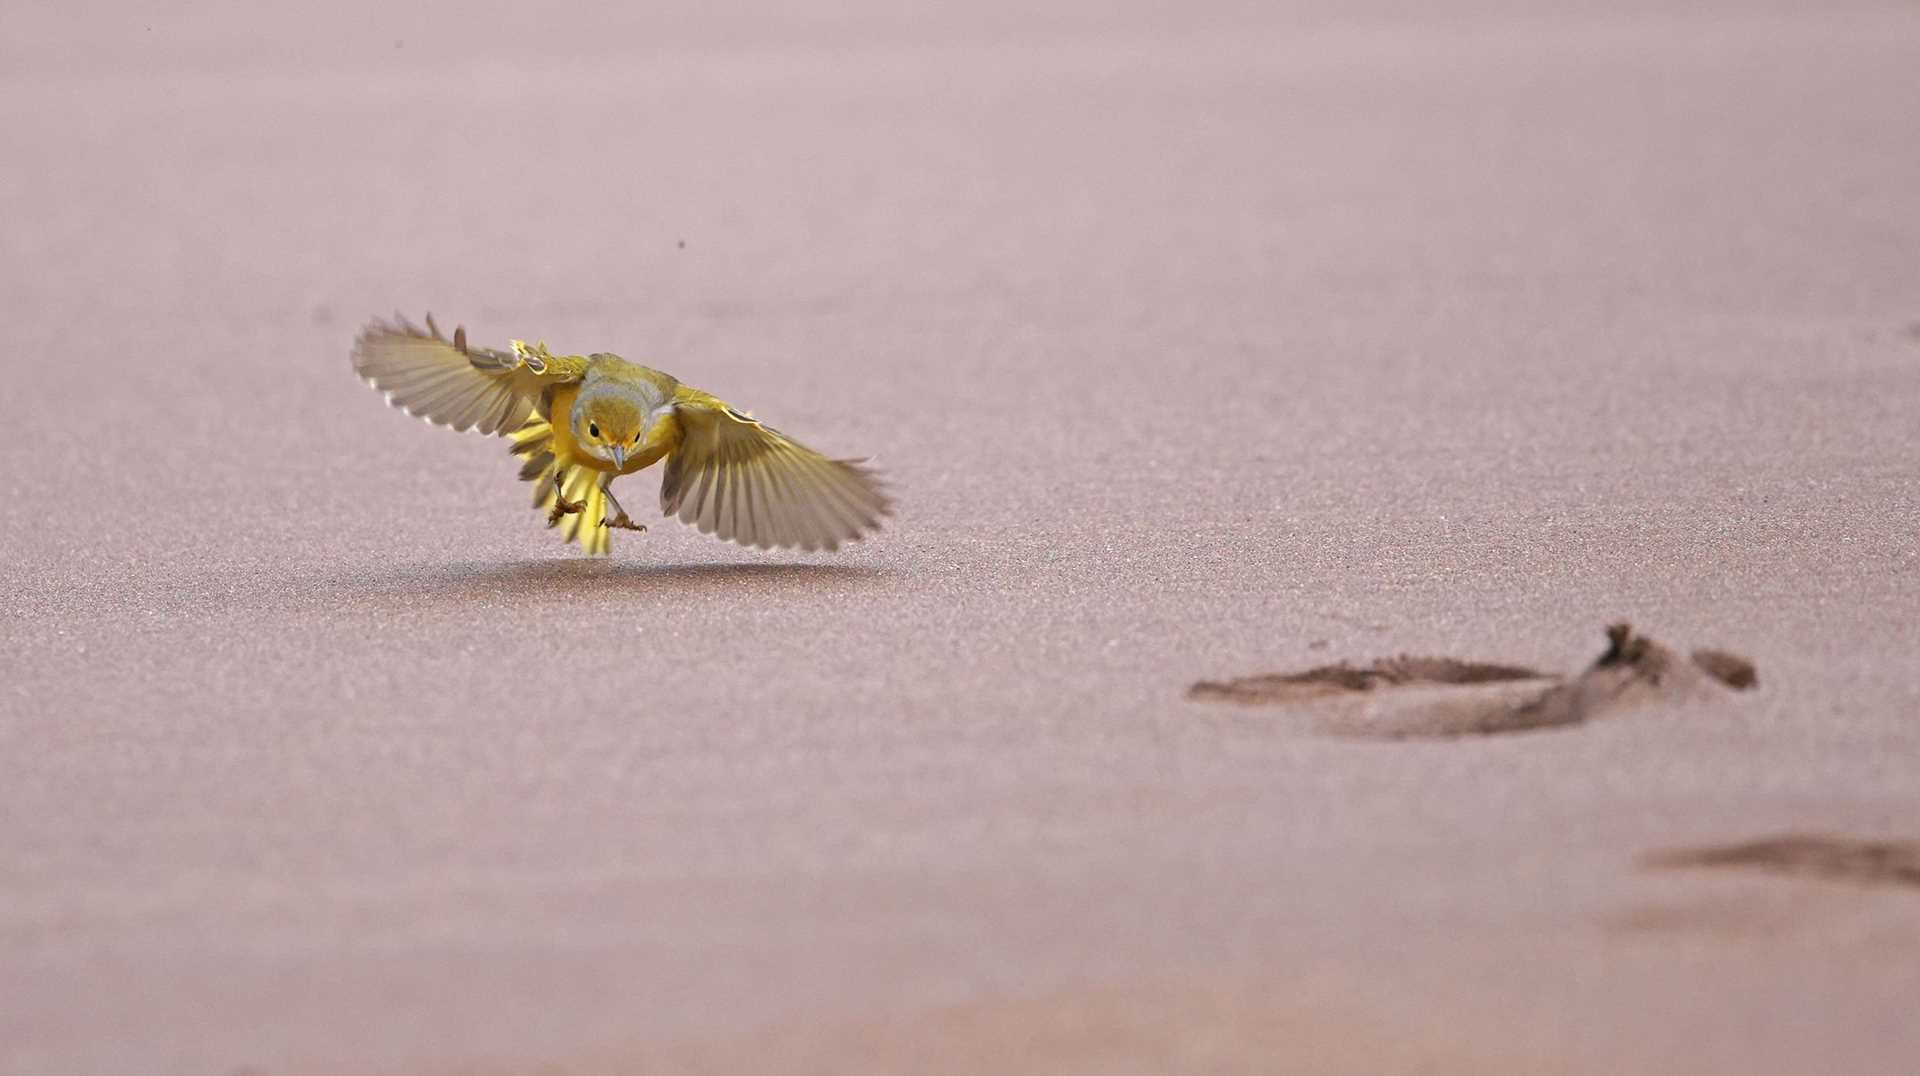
563 507
622 522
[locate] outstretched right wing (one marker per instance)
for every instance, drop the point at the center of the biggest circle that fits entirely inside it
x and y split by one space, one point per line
446 382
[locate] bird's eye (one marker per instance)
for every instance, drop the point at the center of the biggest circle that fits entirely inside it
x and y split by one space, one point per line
593 429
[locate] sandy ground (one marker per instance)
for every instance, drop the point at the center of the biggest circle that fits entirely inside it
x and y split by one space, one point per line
1198 344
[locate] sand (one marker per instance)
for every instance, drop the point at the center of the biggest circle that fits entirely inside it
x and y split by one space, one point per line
1198 343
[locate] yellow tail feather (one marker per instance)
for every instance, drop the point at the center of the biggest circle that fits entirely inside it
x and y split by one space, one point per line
533 443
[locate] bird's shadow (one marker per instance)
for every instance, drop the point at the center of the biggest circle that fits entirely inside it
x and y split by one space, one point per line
551 581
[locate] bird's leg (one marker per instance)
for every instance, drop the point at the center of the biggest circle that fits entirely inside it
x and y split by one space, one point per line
617 516
562 506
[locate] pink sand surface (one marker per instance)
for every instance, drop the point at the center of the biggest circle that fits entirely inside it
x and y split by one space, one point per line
1198 340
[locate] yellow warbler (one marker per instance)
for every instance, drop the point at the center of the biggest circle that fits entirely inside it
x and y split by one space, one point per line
579 422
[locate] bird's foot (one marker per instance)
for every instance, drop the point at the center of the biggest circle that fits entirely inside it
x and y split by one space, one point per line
562 507
616 516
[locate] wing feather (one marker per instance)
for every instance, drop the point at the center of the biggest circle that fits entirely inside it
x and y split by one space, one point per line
743 481
775 529
448 383
766 526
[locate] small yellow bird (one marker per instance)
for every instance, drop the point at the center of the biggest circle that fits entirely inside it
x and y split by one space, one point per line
579 422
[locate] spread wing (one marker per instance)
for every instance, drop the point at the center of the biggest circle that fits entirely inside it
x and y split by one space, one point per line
446 382
739 480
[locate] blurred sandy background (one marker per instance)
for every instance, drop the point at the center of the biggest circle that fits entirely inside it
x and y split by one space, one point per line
1199 340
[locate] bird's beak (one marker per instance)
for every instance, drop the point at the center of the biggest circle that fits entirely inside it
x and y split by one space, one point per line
620 457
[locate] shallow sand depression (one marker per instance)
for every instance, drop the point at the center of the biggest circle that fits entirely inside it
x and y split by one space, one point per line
1194 341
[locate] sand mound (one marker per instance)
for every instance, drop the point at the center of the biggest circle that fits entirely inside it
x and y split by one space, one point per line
1847 859
1441 697
1280 688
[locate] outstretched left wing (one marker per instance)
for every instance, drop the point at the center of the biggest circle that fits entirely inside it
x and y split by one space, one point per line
737 479
447 382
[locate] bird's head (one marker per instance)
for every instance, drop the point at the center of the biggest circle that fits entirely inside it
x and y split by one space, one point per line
609 426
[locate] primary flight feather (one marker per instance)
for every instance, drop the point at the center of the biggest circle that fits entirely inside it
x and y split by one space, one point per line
579 422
